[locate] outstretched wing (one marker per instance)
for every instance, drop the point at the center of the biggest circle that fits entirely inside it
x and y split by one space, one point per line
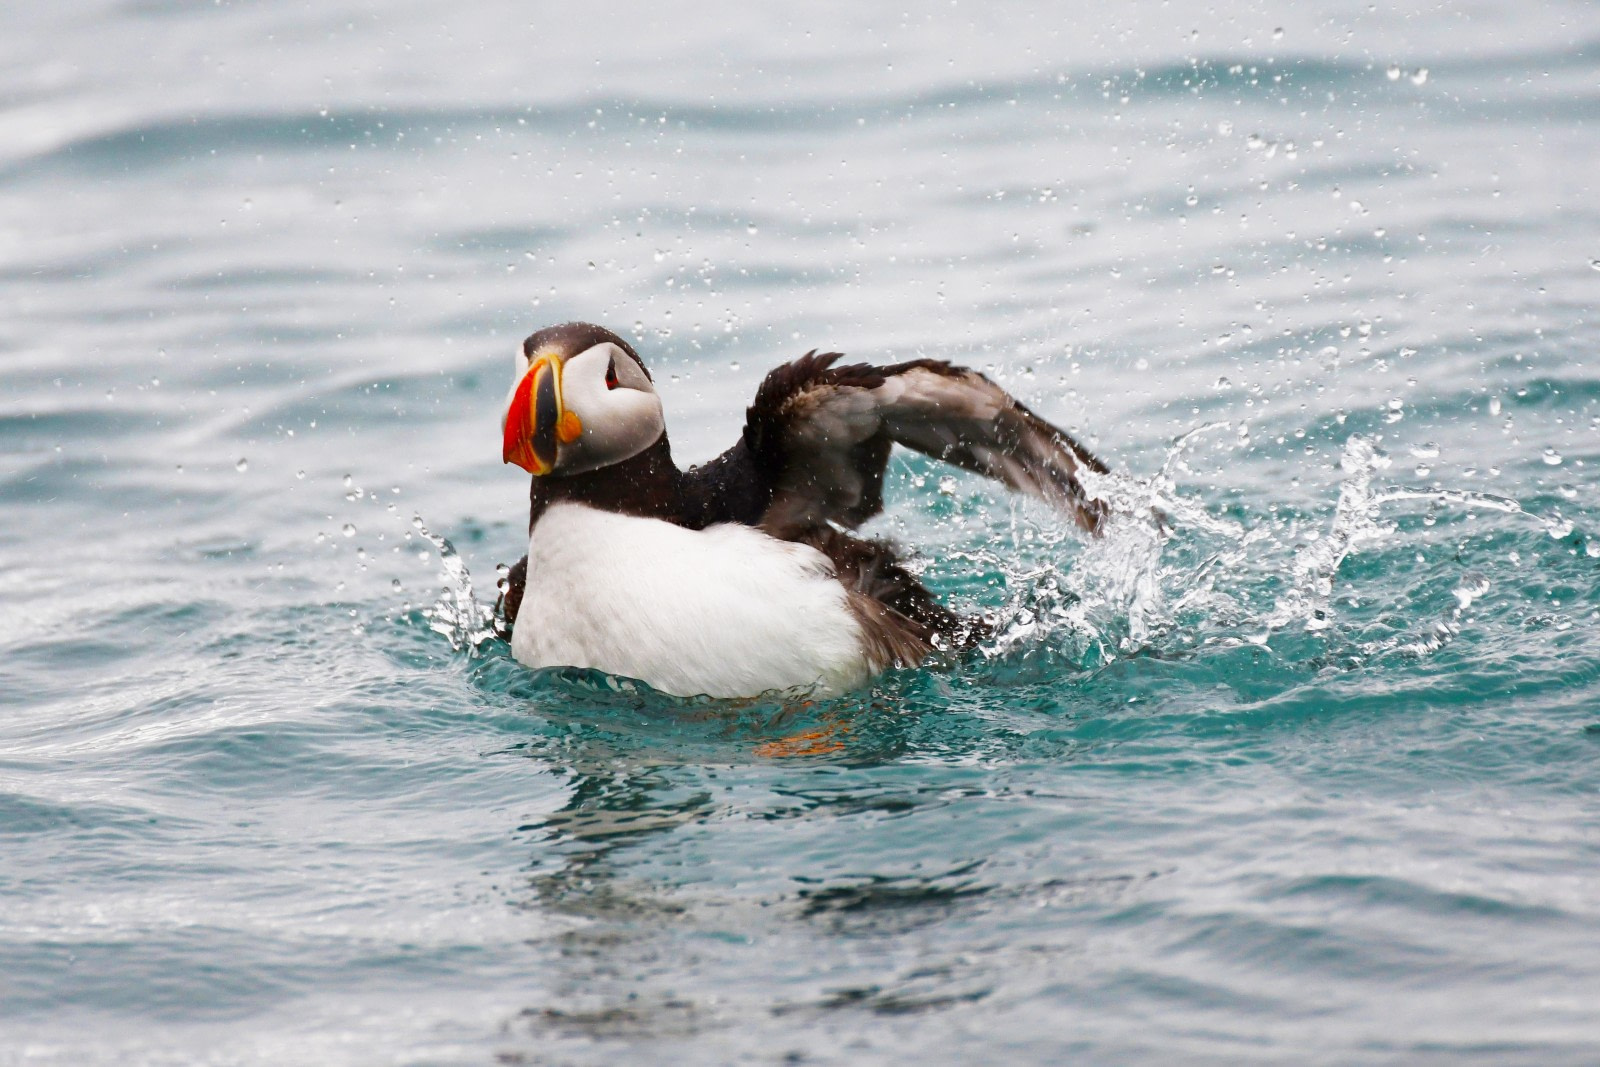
822 434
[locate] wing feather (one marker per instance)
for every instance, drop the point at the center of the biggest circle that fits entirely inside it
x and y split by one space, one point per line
823 433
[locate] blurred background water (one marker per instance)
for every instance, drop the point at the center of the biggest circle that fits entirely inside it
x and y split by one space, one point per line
1311 779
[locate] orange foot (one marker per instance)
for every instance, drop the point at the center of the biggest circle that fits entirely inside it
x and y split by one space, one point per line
817 742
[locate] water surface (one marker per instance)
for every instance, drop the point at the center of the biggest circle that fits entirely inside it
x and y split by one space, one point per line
1309 778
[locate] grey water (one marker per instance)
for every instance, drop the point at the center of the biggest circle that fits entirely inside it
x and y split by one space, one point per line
1305 772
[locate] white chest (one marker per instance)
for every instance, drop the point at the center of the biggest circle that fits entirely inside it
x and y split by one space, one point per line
725 612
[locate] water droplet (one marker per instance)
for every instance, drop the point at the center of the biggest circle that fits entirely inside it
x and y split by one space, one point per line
396 585
1494 405
1394 73
416 520
300 474
348 481
1423 470
1428 450
349 529
947 486
1277 34
1552 457
1419 76
242 466
1594 264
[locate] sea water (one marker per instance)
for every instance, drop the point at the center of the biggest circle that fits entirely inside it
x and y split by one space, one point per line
1299 763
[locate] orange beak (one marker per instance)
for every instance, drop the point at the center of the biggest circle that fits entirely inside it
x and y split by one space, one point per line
530 440
536 421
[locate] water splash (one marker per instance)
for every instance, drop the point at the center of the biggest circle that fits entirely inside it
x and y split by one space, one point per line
1170 575
1119 595
458 615
1355 523
1555 525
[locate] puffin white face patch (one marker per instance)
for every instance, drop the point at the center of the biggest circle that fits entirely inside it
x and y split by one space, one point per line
615 412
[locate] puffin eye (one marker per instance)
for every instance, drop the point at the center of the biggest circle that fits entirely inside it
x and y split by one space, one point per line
611 374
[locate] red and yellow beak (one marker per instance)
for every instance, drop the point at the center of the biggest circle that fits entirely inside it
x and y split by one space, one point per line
536 421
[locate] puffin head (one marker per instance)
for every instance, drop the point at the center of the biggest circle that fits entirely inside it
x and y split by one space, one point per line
580 400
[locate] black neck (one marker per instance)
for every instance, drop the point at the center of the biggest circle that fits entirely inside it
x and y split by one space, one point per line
648 485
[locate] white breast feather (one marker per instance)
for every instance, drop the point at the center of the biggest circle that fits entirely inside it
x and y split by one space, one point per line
725 612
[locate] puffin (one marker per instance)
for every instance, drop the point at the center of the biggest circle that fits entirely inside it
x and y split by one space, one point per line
744 575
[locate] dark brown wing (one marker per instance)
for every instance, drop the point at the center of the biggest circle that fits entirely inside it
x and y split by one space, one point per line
872 569
509 602
822 434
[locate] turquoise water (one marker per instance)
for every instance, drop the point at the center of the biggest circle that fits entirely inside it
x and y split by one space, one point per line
1309 778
